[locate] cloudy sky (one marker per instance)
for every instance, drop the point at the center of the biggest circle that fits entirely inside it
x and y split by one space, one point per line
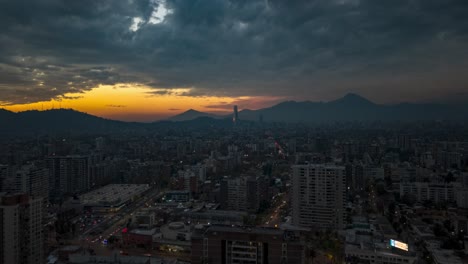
148 59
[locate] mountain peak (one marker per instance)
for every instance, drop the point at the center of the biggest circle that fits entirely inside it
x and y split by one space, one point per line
352 95
352 98
191 111
191 114
2 110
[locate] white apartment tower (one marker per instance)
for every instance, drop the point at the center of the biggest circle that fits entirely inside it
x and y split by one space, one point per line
319 196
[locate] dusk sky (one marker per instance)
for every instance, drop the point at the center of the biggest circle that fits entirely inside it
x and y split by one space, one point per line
145 60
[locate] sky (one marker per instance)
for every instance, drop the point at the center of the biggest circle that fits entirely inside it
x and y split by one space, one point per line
144 60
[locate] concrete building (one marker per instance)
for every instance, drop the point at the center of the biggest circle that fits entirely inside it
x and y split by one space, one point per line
112 197
81 258
21 228
5 171
138 237
228 244
144 219
371 241
318 196
28 179
177 196
425 191
370 253
461 197
216 217
373 173
404 142
233 194
240 194
68 174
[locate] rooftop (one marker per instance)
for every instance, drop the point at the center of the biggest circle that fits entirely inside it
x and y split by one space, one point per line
246 230
113 194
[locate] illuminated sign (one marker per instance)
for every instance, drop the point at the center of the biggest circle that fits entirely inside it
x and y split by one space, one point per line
399 245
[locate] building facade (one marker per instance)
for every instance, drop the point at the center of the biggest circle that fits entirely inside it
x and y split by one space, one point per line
21 229
318 196
227 244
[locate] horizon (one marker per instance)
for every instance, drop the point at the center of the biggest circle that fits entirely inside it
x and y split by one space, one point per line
227 109
150 59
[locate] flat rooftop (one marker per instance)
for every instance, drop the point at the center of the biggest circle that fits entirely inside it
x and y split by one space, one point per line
445 256
382 251
246 230
112 194
146 232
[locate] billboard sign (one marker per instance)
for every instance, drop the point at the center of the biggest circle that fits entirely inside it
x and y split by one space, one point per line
398 244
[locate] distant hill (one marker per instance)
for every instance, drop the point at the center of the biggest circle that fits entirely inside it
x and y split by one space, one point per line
351 107
66 121
5 114
59 121
192 114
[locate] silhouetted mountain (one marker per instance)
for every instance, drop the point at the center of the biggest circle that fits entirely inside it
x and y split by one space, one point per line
353 107
191 114
352 99
58 121
6 114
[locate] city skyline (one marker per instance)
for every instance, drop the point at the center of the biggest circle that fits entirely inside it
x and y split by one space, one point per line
233 131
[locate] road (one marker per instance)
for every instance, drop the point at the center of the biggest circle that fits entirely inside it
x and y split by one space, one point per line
113 223
274 218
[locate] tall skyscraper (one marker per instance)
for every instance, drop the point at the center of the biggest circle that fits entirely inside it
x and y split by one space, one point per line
235 117
21 229
318 196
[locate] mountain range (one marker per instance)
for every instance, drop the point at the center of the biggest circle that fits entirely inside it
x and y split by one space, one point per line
351 107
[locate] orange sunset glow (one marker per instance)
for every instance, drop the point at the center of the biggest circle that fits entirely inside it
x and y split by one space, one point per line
129 102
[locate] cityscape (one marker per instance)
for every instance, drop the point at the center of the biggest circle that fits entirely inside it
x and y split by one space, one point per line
233 132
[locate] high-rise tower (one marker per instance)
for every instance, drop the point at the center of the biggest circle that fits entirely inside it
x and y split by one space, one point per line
235 117
21 229
318 196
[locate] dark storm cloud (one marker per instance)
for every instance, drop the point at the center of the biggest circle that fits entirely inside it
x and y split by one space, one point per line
304 49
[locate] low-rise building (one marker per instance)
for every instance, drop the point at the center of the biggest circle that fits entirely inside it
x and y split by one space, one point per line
228 244
372 253
138 237
112 197
177 196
